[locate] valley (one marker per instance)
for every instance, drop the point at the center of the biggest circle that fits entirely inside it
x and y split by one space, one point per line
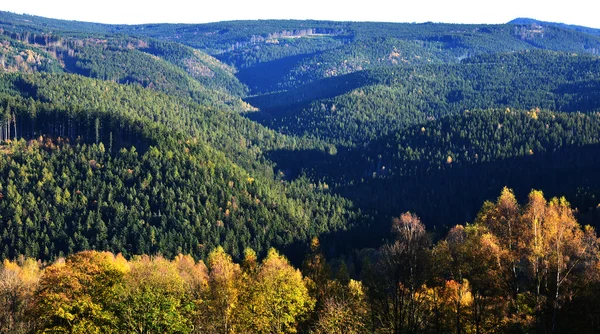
398 153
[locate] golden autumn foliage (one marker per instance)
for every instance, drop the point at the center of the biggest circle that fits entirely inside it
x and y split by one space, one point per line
194 274
277 298
516 269
18 281
221 298
538 252
74 295
98 292
152 298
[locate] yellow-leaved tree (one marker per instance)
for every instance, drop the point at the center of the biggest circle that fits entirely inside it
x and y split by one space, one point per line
277 299
18 281
76 295
543 255
152 298
221 297
565 249
503 219
195 279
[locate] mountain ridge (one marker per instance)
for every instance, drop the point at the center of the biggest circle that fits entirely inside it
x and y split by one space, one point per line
585 29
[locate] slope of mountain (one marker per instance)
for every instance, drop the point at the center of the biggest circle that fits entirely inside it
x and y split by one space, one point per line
312 137
525 20
172 68
262 133
303 51
356 108
110 166
444 169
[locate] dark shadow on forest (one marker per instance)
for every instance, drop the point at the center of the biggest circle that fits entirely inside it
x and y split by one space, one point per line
365 231
455 193
342 244
265 77
26 88
284 103
586 95
291 163
72 66
451 195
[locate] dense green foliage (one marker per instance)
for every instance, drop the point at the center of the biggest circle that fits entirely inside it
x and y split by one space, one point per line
62 96
303 51
273 132
92 196
357 108
167 67
98 292
359 46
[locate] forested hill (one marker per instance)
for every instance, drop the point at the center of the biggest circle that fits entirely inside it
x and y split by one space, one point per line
356 108
167 138
168 67
443 169
107 166
524 20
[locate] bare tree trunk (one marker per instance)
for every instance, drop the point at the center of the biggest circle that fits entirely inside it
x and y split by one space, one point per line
14 118
557 294
396 307
458 325
477 311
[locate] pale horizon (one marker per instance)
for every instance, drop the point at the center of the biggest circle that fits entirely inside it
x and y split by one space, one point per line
183 11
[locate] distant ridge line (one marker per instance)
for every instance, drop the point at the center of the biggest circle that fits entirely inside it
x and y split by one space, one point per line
526 20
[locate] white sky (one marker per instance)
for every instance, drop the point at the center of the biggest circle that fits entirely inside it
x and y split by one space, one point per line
580 12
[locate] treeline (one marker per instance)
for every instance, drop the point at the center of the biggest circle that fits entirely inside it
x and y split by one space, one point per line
517 268
300 61
337 48
98 292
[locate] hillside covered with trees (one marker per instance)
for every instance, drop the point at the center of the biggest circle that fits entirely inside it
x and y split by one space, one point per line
516 268
159 177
